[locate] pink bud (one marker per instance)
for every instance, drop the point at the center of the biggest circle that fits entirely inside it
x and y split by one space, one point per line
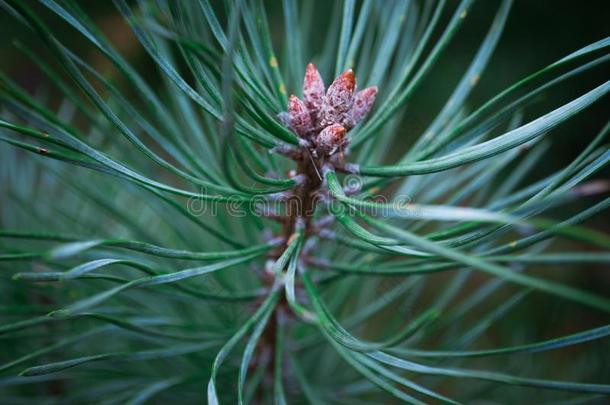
313 91
339 98
300 120
331 138
363 102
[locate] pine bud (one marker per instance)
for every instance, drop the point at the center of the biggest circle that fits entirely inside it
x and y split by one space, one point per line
363 102
331 139
300 121
324 118
339 99
313 91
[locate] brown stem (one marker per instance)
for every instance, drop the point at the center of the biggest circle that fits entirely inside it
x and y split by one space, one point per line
301 205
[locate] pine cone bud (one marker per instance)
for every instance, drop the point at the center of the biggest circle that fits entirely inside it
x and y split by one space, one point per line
363 102
300 121
313 91
331 139
324 118
339 99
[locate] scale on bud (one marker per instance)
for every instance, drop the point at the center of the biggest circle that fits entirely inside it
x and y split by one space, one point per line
331 139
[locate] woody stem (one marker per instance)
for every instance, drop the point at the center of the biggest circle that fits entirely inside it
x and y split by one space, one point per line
301 205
